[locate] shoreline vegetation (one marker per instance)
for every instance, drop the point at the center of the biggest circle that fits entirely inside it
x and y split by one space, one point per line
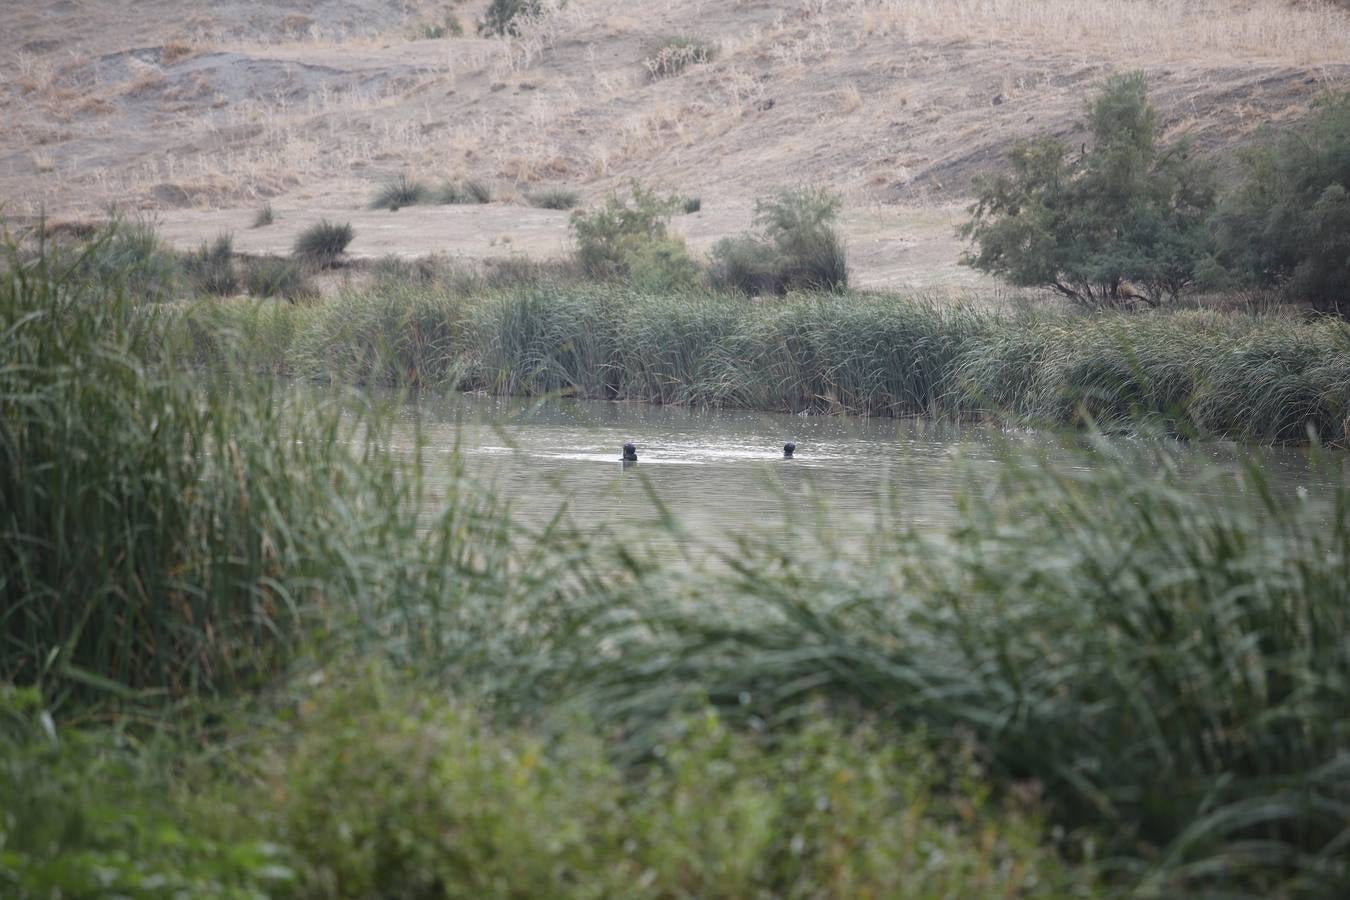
1191 373
240 659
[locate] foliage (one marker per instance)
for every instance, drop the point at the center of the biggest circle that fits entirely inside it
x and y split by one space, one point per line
130 257
1161 654
796 247
210 269
380 793
1124 221
470 190
87 814
322 243
501 17
554 198
272 276
402 191
1288 224
1149 647
628 238
449 26
522 328
264 217
691 205
137 555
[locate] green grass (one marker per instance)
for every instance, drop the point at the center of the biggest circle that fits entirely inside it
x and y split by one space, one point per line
402 191
321 244
321 679
554 198
1190 373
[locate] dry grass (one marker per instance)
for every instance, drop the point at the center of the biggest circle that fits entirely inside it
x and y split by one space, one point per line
1314 31
849 98
173 51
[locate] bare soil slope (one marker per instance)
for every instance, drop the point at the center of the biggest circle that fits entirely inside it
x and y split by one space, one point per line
201 111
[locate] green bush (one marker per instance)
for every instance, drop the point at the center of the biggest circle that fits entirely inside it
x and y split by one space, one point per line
1123 222
1288 224
322 243
91 815
628 238
402 191
795 247
271 276
128 257
264 217
501 16
378 793
210 269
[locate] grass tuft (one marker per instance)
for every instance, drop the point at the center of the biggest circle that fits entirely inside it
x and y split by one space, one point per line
402 191
554 198
322 243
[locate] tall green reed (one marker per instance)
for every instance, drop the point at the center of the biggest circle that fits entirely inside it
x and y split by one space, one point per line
1164 656
164 533
1190 373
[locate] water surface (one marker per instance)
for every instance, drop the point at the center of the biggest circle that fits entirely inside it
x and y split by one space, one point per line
721 474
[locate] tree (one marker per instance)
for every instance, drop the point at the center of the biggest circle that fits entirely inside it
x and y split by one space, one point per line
1121 222
1288 224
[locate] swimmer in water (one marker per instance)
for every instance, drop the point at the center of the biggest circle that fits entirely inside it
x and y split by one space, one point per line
788 449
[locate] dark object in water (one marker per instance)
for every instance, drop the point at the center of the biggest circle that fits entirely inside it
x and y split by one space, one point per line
788 449
630 452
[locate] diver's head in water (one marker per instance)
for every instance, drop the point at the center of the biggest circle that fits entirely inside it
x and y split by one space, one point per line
788 449
630 452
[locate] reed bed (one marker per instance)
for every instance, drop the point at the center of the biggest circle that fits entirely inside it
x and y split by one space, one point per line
1097 680
1191 373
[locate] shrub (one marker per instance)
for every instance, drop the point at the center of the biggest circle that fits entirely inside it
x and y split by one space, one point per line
554 198
264 217
796 247
1122 222
691 205
272 276
321 244
380 793
468 191
502 15
402 191
662 265
436 30
475 191
128 257
211 267
1288 224
89 815
747 264
676 55
630 234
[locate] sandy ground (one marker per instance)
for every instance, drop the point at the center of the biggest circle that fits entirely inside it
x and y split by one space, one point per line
196 113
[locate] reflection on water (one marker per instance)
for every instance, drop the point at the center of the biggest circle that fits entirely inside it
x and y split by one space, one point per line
722 473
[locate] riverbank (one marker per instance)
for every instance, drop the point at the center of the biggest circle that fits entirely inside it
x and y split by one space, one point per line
1193 373
240 655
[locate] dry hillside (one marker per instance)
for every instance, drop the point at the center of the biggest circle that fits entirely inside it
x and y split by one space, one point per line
200 111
